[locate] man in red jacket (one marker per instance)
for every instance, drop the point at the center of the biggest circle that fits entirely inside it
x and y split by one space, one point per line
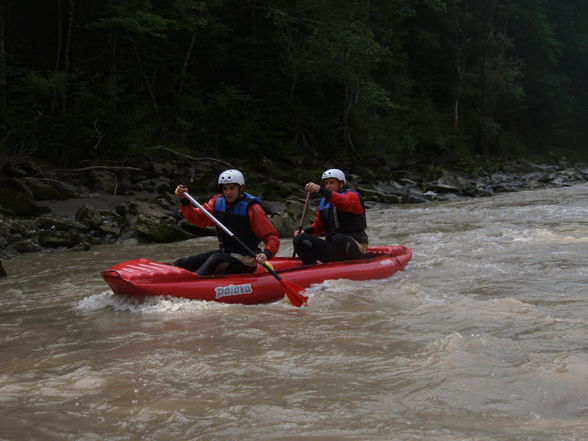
340 216
243 215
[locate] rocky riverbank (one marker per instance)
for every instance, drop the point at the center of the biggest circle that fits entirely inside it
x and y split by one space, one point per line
43 209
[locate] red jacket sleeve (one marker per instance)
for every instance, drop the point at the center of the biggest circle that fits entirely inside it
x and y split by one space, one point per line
317 228
264 229
195 216
260 223
349 202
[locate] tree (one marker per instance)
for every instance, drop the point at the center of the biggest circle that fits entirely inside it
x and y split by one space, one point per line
3 67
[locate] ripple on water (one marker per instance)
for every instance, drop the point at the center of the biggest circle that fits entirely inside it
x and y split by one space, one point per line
482 337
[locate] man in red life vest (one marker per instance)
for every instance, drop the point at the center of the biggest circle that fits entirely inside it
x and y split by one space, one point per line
340 216
243 215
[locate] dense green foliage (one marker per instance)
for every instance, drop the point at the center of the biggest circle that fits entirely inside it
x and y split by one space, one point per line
360 80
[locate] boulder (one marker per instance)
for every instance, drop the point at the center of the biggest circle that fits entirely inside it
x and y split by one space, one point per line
17 185
583 171
393 187
274 207
154 209
295 208
48 189
19 204
109 228
54 239
476 189
288 220
572 176
82 246
59 224
369 194
159 229
443 188
561 181
450 180
163 186
412 196
274 190
446 197
508 186
109 182
26 246
89 216
196 231
284 224
22 168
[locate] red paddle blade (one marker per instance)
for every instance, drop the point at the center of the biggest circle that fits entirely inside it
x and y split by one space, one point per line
293 292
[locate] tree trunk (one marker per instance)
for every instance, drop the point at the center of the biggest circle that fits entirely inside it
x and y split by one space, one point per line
113 80
351 98
253 9
59 37
460 67
147 83
66 54
3 74
185 66
66 51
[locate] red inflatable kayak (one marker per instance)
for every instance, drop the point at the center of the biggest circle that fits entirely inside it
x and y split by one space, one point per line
143 277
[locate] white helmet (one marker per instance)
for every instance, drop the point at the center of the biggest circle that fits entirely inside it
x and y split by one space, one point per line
334 173
231 177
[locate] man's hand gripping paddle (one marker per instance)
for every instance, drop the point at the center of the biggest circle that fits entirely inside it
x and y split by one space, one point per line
304 210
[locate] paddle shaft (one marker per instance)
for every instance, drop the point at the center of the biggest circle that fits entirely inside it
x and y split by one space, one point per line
304 211
230 233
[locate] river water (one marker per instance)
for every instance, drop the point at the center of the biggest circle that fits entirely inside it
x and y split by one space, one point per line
483 337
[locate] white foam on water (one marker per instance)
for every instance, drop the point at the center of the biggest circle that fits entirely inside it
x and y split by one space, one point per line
94 302
164 304
142 305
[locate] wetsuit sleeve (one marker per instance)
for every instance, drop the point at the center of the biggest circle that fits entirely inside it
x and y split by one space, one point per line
194 215
317 228
349 202
264 229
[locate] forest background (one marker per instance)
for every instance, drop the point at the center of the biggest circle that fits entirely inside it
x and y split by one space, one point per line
357 83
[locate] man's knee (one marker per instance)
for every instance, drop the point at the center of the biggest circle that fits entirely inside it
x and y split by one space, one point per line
344 246
182 262
297 240
301 240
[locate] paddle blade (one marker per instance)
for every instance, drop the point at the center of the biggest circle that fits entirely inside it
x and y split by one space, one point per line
293 292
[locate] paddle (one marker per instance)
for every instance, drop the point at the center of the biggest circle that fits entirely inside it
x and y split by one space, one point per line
304 210
292 289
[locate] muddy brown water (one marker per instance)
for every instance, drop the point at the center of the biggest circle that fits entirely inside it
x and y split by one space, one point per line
483 337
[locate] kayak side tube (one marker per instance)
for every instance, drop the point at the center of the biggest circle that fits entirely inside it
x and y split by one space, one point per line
143 277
